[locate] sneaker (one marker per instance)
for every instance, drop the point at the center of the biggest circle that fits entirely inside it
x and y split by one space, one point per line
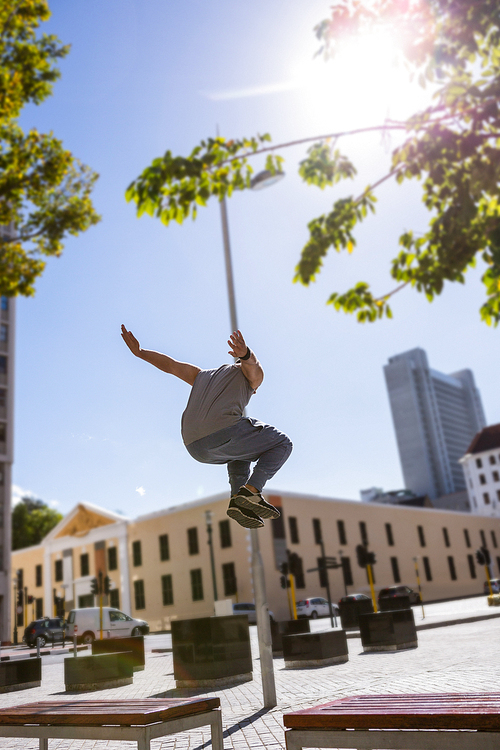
244 517
254 501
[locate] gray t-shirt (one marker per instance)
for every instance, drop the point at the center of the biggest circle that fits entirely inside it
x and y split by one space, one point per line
217 400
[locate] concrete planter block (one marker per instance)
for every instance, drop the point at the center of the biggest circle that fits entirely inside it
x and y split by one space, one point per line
97 672
350 612
131 648
315 649
20 675
211 651
394 602
494 600
388 631
287 627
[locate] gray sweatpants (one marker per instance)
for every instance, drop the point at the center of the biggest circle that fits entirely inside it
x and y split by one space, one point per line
241 444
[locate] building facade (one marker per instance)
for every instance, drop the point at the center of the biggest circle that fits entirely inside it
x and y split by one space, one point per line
160 563
7 341
435 417
481 467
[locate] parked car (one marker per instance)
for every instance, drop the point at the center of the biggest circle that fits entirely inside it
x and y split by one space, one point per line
315 607
354 598
495 586
248 608
48 630
115 624
394 591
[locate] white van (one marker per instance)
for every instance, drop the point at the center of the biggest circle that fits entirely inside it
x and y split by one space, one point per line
115 624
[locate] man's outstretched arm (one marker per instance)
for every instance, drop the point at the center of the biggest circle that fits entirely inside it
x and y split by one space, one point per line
251 367
181 370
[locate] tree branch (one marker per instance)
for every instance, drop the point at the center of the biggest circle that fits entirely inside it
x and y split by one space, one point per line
389 294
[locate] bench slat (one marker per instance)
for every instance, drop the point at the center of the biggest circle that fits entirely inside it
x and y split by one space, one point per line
102 712
480 711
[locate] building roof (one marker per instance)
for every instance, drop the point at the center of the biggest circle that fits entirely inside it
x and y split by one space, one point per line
486 440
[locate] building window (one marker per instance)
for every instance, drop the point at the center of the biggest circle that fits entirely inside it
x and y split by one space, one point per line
114 598
479 463
193 541
451 565
84 564
164 547
498 564
346 570
317 531
363 532
482 479
467 538
296 569
388 533
5 307
39 608
427 569
87 600
3 365
167 590
492 460
38 575
472 567
483 538
112 559
474 501
225 534
446 537
229 578
3 398
496 476
136 554
140 599
59 570
395 570
341 532
196 585
421 536
498 495
4 333
493 538
321 573
293 529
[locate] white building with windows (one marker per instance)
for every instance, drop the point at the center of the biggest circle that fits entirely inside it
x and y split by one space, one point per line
481 466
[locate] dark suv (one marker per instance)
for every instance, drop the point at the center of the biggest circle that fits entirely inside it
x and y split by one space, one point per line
395 591
48 630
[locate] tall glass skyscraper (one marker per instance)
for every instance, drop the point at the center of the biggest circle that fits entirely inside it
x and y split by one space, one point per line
435 417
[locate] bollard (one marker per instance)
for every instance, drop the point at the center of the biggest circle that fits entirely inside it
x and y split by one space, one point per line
75 631
38 647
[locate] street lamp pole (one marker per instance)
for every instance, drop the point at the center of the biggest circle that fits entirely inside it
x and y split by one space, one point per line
15 610
259 584
208 519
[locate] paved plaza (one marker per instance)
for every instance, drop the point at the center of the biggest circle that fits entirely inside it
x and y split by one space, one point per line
453 658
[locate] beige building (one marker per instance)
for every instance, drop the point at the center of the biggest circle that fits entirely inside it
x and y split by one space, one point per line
160 563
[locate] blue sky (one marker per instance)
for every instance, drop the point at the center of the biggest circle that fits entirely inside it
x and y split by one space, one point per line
94 424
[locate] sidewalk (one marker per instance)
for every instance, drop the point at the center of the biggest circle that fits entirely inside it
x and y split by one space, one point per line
453 658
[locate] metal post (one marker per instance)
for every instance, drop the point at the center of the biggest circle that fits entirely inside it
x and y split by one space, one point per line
25 607
341 553
38 647
370 580
208 518
327 581
100 602
15 611
419 587
262 611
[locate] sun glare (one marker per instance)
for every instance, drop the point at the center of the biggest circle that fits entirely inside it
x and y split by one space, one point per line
363 85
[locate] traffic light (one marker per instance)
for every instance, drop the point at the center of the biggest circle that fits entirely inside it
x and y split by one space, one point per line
283 582
370 558
483 556
107 585
20 597
30 599
284 568
94 586
362 555
19 575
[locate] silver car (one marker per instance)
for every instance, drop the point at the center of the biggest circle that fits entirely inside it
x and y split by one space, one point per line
315 607
248 608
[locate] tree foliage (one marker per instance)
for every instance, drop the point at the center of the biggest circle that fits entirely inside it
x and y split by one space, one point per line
44 190
31 522
452 147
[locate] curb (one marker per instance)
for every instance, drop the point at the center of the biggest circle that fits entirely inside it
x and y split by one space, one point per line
42 653
441 624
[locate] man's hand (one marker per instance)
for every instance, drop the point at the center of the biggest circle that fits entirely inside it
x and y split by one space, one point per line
131 341
237 345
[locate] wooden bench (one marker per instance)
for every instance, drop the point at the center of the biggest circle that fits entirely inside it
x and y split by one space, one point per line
136 720
468 721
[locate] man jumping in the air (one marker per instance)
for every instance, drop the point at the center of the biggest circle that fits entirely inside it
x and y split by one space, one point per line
215 431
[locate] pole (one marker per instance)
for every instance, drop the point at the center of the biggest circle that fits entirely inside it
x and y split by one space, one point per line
341 552
262 611
100 603
370 579
327 581
487 570
25 607
419 587
291 578
212 561
15 611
